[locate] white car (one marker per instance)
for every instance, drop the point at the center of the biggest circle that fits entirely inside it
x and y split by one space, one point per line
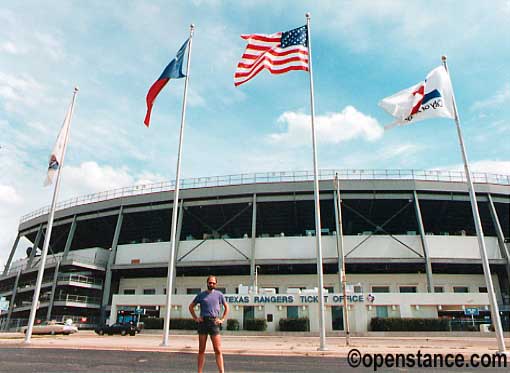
52 327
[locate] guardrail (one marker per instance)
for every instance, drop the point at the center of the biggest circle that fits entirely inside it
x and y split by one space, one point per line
273 177
78 299
81 279
52 259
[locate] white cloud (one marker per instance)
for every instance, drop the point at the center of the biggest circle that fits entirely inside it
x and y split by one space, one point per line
402 151
490 166
50 44
331 128
10 47
501 97
20 91
9 195
90 177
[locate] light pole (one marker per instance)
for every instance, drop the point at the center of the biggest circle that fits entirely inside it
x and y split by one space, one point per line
256 279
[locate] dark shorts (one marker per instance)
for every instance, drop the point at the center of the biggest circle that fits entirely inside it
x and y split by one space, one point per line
208 326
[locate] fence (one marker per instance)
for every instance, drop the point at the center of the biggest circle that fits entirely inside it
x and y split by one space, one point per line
53 259
274 177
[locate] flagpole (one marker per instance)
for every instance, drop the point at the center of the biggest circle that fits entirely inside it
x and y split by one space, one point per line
175 206
341 266
479 231
40 273
316 196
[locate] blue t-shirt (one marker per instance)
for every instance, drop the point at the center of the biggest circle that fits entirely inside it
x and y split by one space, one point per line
210 303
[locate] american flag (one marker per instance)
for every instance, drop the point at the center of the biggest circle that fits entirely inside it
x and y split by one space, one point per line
278 53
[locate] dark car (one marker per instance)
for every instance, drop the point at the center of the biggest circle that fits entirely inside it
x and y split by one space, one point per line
118 328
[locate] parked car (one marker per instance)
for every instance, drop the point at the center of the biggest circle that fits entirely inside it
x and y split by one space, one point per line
52 327
118 328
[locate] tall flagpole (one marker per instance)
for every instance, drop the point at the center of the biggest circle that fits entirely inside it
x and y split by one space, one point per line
341 266
175 207
479 231
40 273
316 197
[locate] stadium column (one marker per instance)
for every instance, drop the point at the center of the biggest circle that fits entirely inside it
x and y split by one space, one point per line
13 298
501 237
178 240
35 245
111 261
53 288
11 255
339 242
70 237
253 240
424 243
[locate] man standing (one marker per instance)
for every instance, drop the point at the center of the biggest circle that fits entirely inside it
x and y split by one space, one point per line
209 321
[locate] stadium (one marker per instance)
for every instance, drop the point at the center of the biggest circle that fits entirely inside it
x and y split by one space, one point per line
409 239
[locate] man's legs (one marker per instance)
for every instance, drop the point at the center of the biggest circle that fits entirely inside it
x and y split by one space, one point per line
216 341
202 340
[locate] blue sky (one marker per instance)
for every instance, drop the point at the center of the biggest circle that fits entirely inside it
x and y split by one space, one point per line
363 51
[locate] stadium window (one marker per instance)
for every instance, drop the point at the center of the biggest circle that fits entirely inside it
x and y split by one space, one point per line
482 289
129 291
381 311
292 312
380 289
223 290
358 289
460 289
330 289
407 289
438 289
149 291
193 291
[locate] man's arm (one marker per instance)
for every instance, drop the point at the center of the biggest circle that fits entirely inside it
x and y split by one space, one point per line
191 309
226 310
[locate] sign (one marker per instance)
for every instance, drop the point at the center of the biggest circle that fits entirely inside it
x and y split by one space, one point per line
472 311
4 305
140 311
296 298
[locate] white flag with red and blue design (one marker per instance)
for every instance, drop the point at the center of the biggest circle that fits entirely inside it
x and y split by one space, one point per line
58 150
430 98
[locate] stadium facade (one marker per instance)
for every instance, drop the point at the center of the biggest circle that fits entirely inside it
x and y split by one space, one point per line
409 239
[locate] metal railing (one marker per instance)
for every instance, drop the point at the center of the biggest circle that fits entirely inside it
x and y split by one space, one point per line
78 299
32 283
81 279
273 177
53 259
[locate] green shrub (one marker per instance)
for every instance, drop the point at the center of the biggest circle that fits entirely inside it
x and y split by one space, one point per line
153 323
255 324
301 324
186 324
380 324
232 324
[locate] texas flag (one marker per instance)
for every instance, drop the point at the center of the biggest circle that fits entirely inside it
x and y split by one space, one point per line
172 71
430 98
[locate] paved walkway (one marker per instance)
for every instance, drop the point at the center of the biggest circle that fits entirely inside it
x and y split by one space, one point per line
260 345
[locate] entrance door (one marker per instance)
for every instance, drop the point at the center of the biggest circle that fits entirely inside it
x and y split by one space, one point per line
248 313
337 317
